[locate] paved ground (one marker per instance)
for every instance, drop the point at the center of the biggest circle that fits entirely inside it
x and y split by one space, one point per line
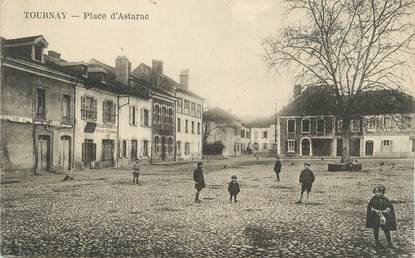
101 213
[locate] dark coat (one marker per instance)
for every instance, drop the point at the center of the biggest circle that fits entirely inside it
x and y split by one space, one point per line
307 176
277 166
233 187
198 178
373 219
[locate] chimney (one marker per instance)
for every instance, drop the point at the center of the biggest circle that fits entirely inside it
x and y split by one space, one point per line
54 54
157 66
184 79
297 90
122 69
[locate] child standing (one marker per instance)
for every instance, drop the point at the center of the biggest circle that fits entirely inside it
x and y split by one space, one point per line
381 215
233 188
136 171
199 180
306 180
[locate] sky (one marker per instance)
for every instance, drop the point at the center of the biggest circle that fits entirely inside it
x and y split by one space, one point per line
219 41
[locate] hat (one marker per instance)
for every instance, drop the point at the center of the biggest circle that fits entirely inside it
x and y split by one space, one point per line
379 188
307 164
234 177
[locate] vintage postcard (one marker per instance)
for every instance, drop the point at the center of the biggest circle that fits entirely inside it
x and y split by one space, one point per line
190 128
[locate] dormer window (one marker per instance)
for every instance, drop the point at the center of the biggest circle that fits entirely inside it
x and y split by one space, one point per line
38 53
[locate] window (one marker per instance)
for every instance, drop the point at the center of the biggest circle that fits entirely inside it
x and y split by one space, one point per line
108 112
170 146
305 125
179 123
66 108
88 108
291 146
386 145
242 133
372 124
41 104
339 125
38 53
133 115
187 148
235 131
198 127
388 123
199 110
163 115
186 126
320 125
156 114
355 125
179 105
179 147
248 134
170 116
193 109
156 145
145 148
265 146
193 127
145 120
264 134
255 134
291 126
124 149
186 110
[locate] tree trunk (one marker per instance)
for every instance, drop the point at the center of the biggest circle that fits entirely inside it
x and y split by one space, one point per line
346 141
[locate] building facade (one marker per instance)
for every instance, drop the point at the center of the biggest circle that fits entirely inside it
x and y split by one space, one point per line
37 109
189 121
260 139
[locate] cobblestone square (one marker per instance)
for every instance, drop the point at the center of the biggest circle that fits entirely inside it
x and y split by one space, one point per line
101 213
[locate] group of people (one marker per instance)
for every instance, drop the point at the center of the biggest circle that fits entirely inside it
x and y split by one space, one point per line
380 211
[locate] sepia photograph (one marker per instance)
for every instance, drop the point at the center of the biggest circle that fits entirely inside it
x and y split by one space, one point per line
222 128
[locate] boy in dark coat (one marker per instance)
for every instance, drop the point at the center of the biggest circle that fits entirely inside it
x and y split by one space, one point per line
199 180
277 168
306 180
381 215
136 171
233 188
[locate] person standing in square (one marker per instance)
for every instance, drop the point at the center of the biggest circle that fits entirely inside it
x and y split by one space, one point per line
306 180
277 168
233 188
199 180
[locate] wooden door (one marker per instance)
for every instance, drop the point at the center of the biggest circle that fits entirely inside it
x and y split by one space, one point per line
133 149
65 153
43 153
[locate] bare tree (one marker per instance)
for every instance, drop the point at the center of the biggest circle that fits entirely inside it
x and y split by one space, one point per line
216 119
353 46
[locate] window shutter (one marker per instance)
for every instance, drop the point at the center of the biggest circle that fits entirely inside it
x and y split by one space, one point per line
94 152
71 109
82 107
140 149
83 152
295 146
94 109
142 117
104 111
120 148
286 146
136 115
114 112
149 118
127 148
131 115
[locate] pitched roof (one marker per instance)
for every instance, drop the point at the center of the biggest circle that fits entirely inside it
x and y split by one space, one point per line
320 100
26 41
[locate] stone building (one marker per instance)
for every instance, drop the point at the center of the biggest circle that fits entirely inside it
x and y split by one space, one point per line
189 121
37 107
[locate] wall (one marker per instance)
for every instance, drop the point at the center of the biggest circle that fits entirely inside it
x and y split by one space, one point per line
102 131
195 139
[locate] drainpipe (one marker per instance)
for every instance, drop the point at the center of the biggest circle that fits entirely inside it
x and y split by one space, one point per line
118 133
74 127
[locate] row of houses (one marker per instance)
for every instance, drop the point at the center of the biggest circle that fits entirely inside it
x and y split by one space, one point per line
306 128
58 115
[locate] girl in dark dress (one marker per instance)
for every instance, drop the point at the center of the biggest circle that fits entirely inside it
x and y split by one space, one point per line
199 180
381 215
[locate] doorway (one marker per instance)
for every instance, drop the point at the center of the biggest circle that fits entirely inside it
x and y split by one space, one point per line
65 153
133 149
305 147
43 153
